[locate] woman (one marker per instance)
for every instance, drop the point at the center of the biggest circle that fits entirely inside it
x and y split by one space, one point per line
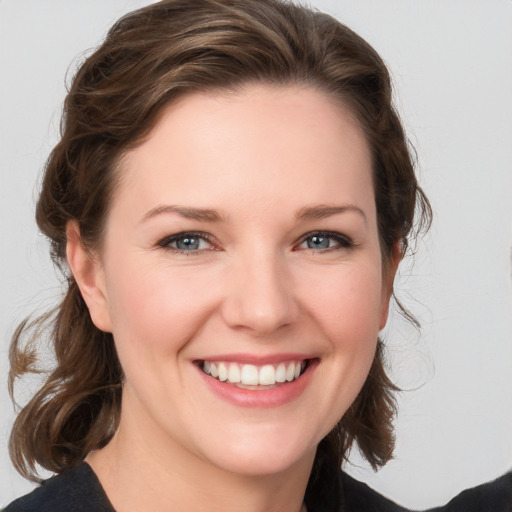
232 195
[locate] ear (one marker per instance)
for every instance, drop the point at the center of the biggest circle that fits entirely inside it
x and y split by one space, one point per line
89 276
387 282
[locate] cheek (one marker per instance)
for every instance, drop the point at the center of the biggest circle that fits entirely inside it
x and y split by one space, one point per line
348 304
347 309
155 311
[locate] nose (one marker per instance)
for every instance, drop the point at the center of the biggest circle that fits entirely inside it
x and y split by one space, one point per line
259 295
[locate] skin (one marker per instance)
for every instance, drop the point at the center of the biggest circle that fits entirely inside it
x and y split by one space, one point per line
258 157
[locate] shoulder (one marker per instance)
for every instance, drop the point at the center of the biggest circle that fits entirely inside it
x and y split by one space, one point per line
495 496
357 497
73 490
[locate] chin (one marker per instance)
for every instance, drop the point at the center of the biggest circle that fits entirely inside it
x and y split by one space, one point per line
263 464
263 455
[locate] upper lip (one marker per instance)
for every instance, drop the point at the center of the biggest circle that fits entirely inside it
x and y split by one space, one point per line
258 360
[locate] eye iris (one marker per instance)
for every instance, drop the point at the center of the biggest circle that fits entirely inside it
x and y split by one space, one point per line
187 243
318 242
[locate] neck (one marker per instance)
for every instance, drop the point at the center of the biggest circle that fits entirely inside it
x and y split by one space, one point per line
142 470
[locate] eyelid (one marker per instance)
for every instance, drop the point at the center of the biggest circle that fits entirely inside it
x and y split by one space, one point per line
164 242
343 241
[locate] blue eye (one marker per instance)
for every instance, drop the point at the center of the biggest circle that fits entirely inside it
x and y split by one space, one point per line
318 242
325 241
187 242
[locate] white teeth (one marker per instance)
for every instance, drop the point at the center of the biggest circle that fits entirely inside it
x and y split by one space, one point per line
223 372
234 373
252 375
249 375
267 375
281 373
290 372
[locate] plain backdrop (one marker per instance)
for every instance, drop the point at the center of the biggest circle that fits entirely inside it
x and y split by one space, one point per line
451 61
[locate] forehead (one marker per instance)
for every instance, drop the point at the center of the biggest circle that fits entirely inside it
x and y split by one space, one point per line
261 144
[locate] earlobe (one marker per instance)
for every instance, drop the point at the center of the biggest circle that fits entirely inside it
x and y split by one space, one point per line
89 276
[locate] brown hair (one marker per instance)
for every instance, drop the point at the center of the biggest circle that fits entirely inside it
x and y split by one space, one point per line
150 58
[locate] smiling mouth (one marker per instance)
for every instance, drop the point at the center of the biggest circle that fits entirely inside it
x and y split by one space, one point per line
250 376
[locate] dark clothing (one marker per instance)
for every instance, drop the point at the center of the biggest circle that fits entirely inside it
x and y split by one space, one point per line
79 490
495 496
73 490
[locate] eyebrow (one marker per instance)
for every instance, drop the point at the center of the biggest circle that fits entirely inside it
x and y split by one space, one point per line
323 211
211 215
201 214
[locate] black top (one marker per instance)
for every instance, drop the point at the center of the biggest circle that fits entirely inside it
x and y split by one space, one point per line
79 490
73 490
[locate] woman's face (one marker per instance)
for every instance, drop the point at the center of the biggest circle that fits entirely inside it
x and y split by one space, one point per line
241 250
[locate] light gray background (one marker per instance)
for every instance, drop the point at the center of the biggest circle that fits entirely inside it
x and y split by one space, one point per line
452 65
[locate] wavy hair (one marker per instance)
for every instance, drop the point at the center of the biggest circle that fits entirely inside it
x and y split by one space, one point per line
149 59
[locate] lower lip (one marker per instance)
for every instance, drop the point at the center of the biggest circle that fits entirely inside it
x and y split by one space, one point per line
264 398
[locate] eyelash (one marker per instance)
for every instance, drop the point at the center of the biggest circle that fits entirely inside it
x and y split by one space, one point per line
342 242
165 242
